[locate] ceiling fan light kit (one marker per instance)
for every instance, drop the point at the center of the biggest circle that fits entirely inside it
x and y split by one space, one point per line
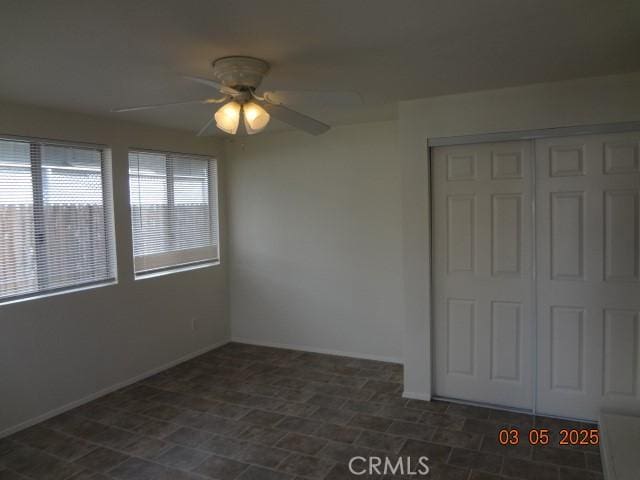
255 117
228 117
237 79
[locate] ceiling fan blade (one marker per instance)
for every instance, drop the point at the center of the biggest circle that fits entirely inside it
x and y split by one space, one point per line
295 119
205 127
305 97
212 83
170 104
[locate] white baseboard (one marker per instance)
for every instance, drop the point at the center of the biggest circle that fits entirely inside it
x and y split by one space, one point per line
105 391
305 348
416 396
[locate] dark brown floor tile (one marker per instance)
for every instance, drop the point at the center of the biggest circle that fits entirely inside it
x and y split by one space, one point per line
474 460
163 412
491 445
102 459
370 422
182 457
411 430
559 456
332 415
400 413
297 424
37 464
146 447
302 443
188 437
170 398
341 472
440 471
240 403
415 448
527 470
337 433
483 427
114 438
468 411
262 402
521 420
54 443
442 420
7 445
436 406
219 425
454 438
342 452
223 447
291 383
261 455
567 473
485 476
9 475
221 468
380 441
83 428
326 401
361 406
385 398
259 473
228 410
137 469
295 395
297 409
256 434
262 418
157 428
87 475
306 466
379 386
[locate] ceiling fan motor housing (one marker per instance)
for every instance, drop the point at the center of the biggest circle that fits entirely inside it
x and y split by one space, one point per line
237 72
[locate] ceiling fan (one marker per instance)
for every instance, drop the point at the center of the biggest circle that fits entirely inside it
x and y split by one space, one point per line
237 79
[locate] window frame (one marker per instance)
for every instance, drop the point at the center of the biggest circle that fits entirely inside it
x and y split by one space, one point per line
37 186
213 198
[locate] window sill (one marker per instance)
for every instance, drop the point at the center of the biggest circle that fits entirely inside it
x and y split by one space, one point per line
40 296
178 269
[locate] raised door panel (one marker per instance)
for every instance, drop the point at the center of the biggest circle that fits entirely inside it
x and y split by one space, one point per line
482 277
506 340
588 293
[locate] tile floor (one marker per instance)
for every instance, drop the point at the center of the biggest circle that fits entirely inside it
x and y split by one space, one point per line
252 413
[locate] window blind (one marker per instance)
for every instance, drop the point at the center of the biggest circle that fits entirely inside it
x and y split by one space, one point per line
173 210
56 228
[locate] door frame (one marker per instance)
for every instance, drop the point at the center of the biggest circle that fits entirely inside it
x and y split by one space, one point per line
496 137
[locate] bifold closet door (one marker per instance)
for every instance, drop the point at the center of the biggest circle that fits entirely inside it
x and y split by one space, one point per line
482 281
588 272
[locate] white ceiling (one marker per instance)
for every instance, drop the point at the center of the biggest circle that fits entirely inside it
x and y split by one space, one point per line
94 55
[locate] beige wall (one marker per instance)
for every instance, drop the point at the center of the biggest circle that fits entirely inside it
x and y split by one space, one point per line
578 102
58 350
316 234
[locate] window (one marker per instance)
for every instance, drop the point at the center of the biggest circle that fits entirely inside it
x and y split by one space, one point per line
173 210
56 229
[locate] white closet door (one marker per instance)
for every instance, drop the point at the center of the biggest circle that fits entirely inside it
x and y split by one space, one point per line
588 257
482 280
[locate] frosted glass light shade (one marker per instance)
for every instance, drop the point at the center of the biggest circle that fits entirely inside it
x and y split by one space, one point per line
255 117
228 117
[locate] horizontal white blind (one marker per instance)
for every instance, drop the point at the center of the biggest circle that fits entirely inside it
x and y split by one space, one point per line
173 209
56 228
